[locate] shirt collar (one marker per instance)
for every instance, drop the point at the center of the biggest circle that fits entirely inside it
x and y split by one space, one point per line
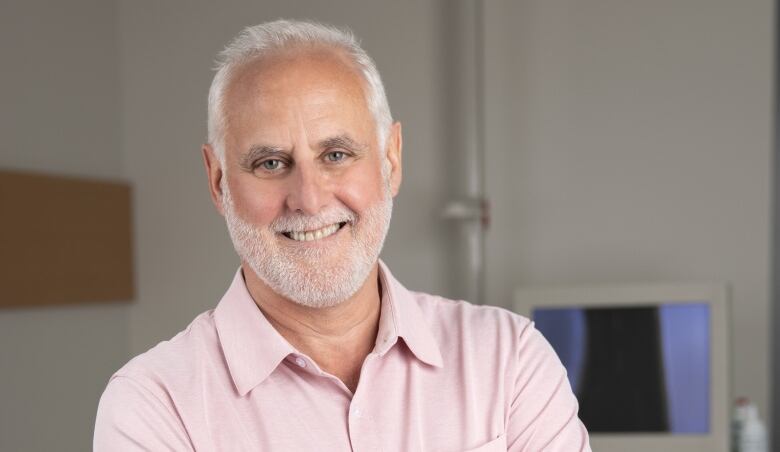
253 348
401 316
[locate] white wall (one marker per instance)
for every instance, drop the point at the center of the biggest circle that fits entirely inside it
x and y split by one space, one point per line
58 114
185 259
631 142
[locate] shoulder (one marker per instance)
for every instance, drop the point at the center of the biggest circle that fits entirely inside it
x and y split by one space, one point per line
486 332
170 362
142 400
447 317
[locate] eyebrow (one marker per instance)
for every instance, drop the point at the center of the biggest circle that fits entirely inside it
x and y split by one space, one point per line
342 141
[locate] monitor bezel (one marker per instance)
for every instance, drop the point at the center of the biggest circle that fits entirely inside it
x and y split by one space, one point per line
628 295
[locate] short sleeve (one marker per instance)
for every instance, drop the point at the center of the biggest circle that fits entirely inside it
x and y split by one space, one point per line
130 417
543 411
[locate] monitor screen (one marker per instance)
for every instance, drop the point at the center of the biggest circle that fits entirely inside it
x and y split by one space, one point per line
635 368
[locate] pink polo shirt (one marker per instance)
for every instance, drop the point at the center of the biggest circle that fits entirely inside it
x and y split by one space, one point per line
443 376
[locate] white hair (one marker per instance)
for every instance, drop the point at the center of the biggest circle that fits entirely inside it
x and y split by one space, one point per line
259 40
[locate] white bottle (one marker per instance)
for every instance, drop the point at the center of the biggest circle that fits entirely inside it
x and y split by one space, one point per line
750 432
737 421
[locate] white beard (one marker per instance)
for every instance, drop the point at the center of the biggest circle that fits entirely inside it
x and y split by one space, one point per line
313 277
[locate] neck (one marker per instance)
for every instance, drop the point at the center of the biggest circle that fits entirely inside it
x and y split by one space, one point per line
338 338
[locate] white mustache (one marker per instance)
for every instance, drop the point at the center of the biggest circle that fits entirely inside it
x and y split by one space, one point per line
302 222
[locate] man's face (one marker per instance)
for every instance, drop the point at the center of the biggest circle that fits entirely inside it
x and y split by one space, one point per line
303 191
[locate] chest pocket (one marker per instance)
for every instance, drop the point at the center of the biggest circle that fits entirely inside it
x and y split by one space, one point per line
498 444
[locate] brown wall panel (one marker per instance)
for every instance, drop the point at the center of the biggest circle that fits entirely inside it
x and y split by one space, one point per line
64 240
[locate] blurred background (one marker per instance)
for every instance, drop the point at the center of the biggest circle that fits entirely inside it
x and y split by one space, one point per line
616 141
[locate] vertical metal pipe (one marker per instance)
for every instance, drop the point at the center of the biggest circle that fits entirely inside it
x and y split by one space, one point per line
466 208
774 411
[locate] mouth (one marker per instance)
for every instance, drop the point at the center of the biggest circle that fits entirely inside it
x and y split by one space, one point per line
318 234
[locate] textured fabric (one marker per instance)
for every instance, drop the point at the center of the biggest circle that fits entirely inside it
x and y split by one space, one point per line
443 376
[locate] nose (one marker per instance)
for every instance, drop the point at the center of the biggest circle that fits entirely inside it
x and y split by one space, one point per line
308 191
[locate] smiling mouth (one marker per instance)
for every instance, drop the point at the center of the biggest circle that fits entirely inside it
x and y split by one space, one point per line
308 236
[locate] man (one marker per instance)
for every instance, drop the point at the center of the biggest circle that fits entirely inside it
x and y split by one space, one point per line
315 346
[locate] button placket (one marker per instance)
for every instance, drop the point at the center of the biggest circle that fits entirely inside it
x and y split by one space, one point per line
363 432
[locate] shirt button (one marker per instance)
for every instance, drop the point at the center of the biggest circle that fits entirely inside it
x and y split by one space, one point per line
357 413
300 362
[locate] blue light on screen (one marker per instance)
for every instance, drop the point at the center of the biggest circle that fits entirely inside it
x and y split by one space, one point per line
685 341
565 330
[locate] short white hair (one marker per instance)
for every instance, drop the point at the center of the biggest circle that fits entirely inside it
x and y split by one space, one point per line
256 41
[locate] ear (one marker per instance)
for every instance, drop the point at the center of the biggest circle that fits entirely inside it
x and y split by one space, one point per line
214 175
394 149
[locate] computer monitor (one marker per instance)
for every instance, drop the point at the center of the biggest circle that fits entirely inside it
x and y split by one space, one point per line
649 363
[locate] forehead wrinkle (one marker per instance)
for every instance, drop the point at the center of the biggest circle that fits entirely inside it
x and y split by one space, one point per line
300 135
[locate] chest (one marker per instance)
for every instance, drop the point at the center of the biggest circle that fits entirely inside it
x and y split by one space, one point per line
399 404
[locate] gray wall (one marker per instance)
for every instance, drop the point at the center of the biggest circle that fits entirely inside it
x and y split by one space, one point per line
774 382
627 141
58 114
635 146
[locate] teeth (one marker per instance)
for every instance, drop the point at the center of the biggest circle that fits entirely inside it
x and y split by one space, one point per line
302 236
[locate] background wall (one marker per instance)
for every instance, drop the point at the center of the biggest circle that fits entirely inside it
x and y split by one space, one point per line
631 142
59 114
626 141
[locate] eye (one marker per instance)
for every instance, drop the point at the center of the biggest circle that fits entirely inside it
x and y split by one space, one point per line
271 164
335 156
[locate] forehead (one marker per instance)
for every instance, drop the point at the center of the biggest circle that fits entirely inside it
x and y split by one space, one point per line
318 90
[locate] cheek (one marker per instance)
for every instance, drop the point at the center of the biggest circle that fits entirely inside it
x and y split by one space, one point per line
256 203
361 189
